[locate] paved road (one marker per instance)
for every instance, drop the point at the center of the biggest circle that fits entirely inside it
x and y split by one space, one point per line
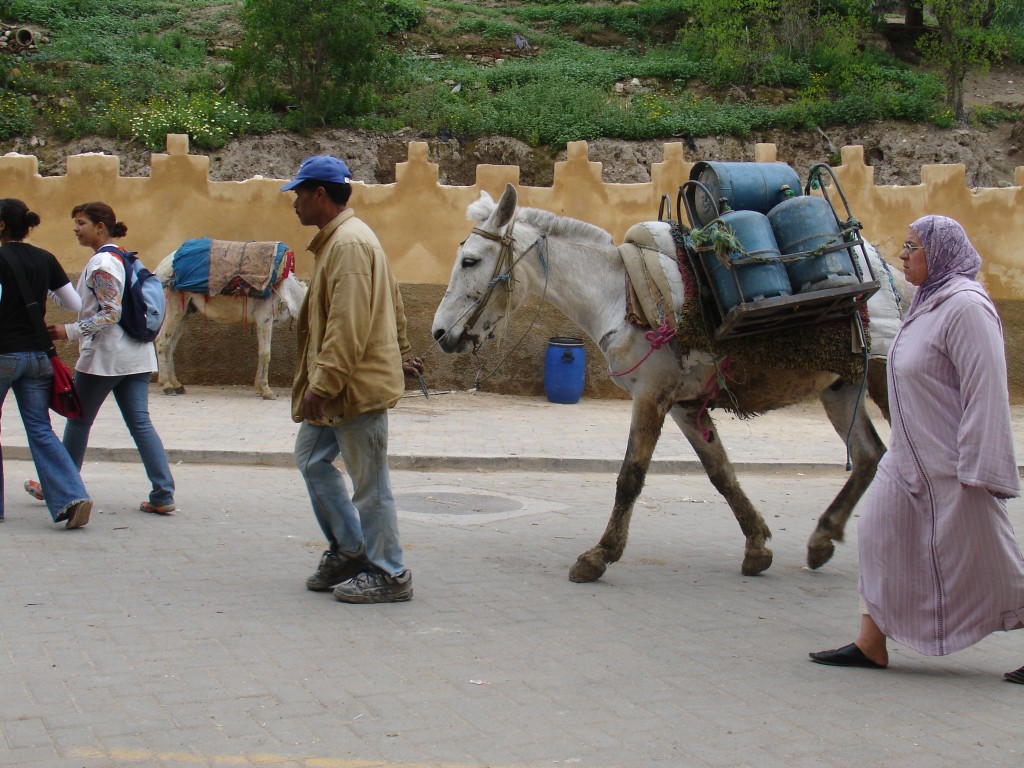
191 641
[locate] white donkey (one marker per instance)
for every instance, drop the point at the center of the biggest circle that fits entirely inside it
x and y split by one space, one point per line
515 252
285 301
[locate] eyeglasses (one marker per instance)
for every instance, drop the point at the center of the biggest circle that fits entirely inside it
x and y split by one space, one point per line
908 246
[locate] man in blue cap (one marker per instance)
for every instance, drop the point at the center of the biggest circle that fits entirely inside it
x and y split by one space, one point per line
352 344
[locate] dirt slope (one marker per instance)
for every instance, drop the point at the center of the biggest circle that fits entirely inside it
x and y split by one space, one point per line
896 150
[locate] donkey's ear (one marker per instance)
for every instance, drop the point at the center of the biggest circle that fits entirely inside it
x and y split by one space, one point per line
506 207
481 208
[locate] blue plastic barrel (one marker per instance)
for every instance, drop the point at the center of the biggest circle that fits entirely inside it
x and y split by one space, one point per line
565 367
756 281
804 224
745 187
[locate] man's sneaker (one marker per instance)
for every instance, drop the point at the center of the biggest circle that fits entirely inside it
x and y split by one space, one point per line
375 586
335 568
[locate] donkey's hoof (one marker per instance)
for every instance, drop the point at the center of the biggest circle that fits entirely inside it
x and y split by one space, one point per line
174 390
753 564
588 567
269 395
819 555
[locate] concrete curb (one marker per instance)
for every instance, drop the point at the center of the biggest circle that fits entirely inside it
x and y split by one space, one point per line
439 463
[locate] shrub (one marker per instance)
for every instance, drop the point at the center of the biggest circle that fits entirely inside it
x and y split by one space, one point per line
784 72
989 115
944 118
328 58
633 20
853 109
403 15
208 121
17 117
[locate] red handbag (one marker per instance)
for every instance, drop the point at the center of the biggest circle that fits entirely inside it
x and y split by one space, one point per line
64 397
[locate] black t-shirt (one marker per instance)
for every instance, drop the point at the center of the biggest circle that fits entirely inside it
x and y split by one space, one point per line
42 273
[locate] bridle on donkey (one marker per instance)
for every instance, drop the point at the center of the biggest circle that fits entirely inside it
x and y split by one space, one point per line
502 276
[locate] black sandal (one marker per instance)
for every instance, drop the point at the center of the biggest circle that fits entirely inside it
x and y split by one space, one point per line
1017 676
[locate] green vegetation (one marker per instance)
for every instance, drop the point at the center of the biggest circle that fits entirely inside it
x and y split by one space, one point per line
108 62
959 43
318 62
208 121
545 71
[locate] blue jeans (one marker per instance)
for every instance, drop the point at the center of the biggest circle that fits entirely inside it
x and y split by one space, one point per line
132 395
369 516
30 375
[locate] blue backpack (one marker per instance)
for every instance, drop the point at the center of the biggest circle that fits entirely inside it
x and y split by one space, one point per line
142 305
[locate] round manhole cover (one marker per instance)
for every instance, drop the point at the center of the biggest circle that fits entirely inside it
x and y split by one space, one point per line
449 503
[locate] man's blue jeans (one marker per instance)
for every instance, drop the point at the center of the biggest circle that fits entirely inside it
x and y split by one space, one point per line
132 395
30 375
369 516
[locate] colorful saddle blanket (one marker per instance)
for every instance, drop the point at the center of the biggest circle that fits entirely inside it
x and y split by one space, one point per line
231 268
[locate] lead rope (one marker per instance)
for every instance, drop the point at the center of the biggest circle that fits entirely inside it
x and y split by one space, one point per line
860 393
864 378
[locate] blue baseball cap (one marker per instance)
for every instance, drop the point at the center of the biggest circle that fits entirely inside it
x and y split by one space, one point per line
320 168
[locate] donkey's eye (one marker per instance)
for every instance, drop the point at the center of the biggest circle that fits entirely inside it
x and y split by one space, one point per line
469 261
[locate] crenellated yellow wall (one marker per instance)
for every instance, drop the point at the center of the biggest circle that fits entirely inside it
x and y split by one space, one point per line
993 218
421 222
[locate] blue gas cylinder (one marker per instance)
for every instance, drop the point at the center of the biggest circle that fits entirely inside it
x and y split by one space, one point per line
744 187
803 224
565 367
756 281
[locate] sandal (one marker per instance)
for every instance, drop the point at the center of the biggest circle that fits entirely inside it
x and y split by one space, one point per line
34 489
164 509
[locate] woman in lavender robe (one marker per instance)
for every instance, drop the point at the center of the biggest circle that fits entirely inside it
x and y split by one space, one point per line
940 567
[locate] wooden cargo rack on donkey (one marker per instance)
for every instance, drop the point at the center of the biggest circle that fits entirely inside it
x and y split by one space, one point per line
730 248
775 272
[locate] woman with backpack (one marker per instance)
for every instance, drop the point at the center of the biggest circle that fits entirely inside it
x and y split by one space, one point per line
111 360
24 364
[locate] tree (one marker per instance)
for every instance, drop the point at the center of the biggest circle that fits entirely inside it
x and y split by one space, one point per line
959 43
318 60
914 14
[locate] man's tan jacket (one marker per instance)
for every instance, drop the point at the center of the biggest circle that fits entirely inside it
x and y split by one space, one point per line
351 329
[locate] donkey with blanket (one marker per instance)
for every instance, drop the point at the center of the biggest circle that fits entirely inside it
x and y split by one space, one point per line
513 253
230 283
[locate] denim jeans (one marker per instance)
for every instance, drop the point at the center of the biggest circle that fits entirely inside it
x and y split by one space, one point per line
369 516
132 396
30 375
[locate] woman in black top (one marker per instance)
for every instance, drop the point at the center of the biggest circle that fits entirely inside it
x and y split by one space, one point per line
24 365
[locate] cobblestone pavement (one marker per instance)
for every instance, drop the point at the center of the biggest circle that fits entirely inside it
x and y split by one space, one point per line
191 640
